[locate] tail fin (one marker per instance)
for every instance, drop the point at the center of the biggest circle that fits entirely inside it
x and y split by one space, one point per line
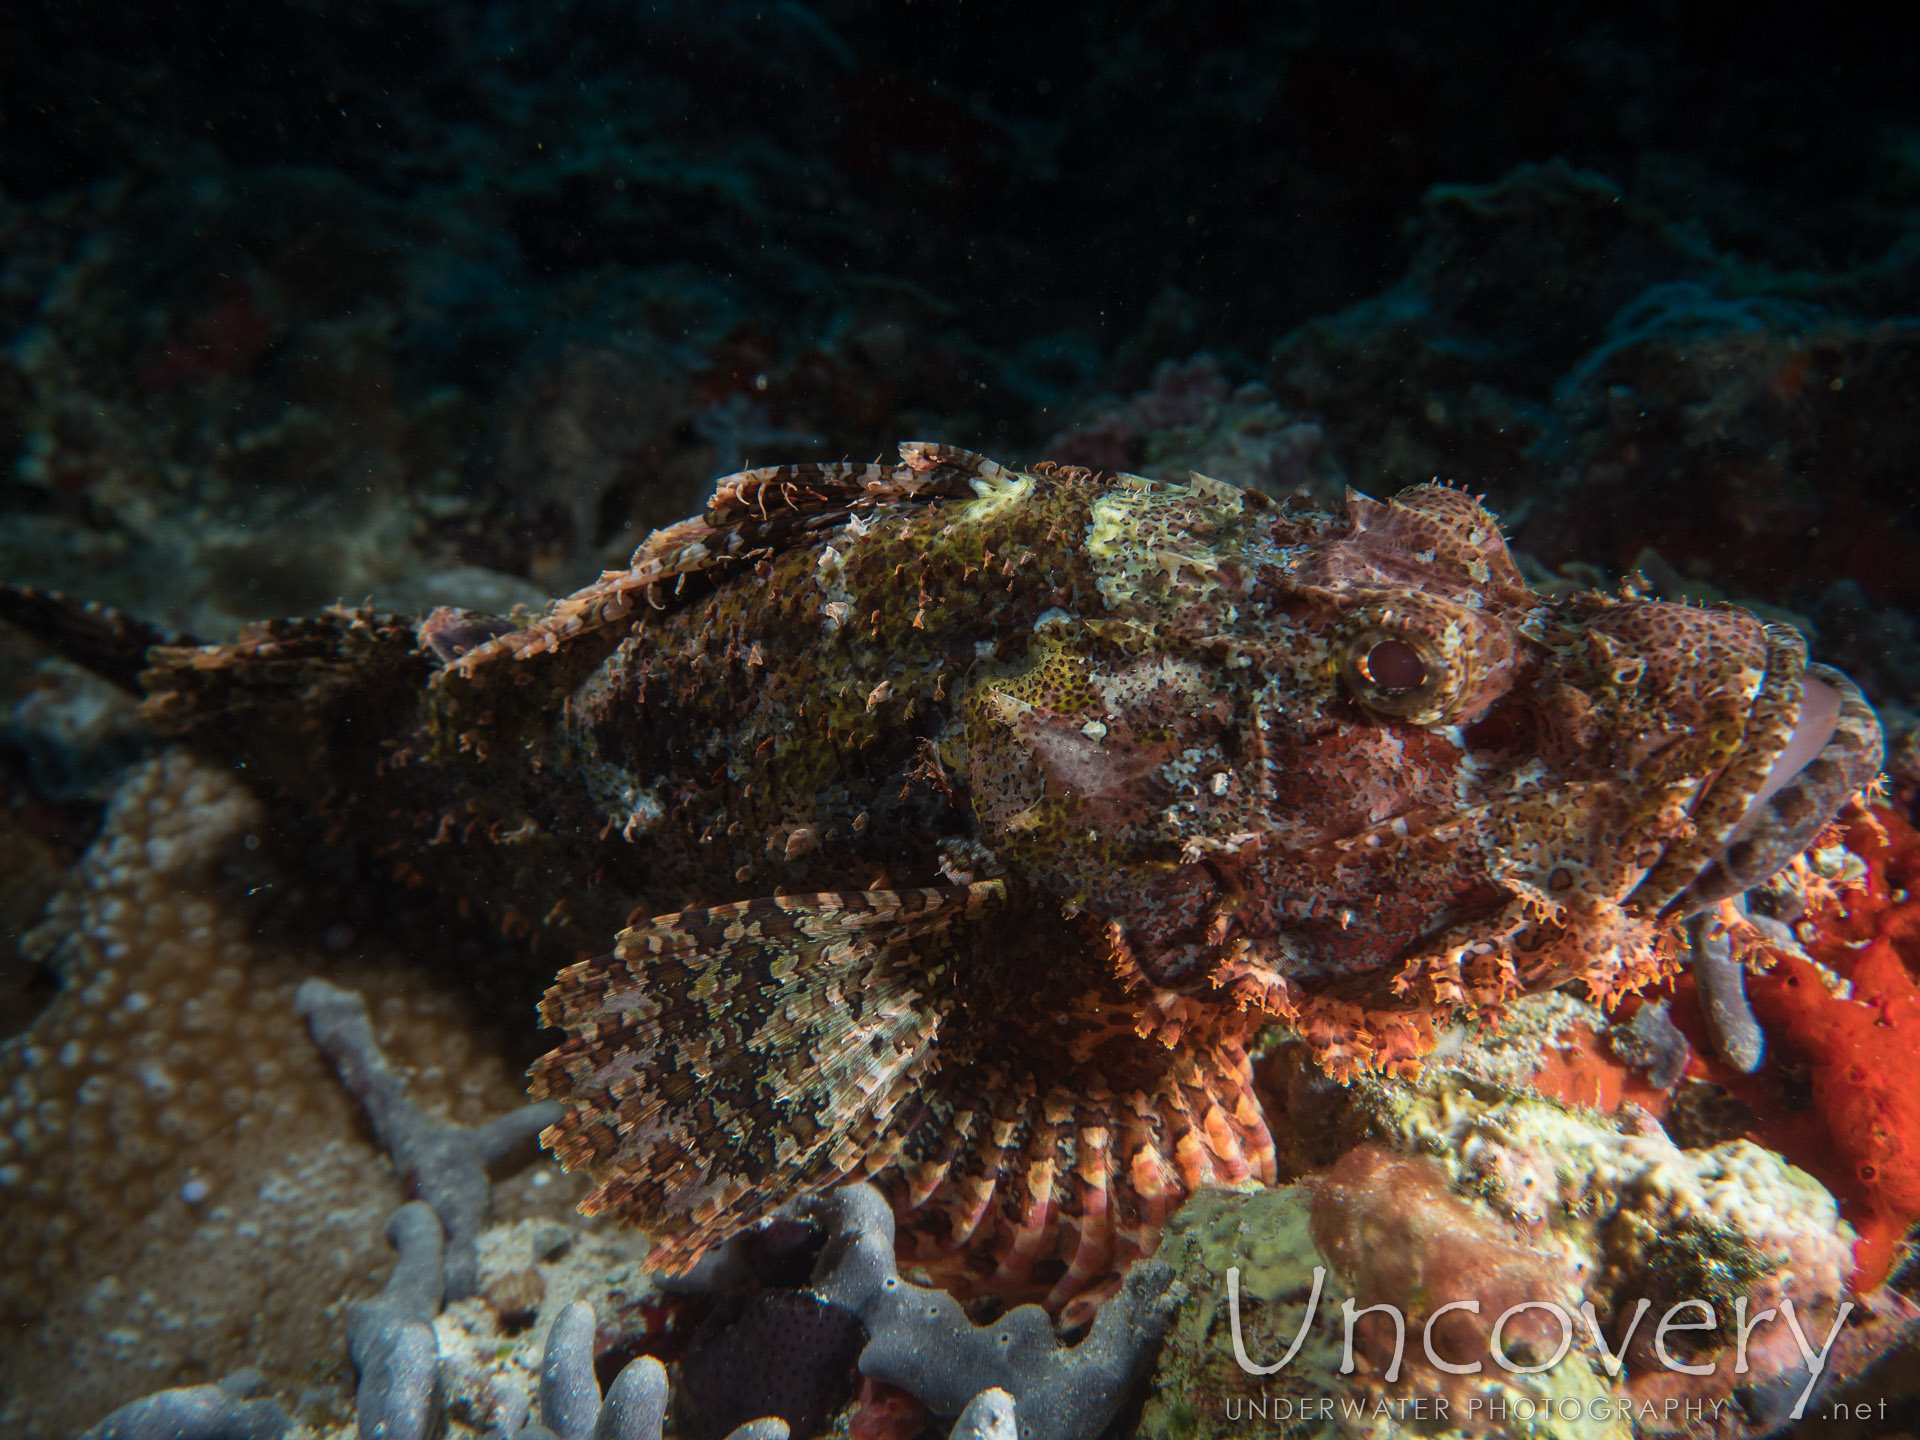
307 703
111 644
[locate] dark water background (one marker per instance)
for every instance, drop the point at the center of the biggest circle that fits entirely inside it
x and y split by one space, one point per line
452 303
301 301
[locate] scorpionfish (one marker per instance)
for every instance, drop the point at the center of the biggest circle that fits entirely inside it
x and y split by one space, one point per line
962 827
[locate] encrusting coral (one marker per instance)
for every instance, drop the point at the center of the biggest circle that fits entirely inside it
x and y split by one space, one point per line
100 1075
1473 1191
180 1174
1839 996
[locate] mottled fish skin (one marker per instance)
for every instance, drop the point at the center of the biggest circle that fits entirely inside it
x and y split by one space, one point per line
961 826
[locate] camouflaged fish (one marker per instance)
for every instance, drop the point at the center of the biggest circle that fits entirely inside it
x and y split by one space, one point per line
961 827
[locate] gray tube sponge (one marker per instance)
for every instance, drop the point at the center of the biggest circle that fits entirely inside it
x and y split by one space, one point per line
196 1412
636 1403
390 1339
922 1341
445 1165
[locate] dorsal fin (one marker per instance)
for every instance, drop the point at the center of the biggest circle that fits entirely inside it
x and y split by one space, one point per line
109 642
752 516
282 691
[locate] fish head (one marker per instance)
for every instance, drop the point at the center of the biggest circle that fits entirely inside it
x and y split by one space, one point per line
1358 753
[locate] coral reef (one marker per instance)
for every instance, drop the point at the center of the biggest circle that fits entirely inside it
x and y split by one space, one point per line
496 1363
250 369
1504 1161
1472 1191
919 1337
403 1381
1629 398
96 1074
1651 1043
1190 419
781 1352
399 1395
1561 343
1841 1006
187 1188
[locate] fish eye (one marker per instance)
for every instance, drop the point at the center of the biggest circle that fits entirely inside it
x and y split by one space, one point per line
1393 665
1397 672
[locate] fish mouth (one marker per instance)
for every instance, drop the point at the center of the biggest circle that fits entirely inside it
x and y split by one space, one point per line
1812 742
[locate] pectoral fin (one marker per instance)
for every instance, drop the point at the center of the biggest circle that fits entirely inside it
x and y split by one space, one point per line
1034 1113
721 1061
